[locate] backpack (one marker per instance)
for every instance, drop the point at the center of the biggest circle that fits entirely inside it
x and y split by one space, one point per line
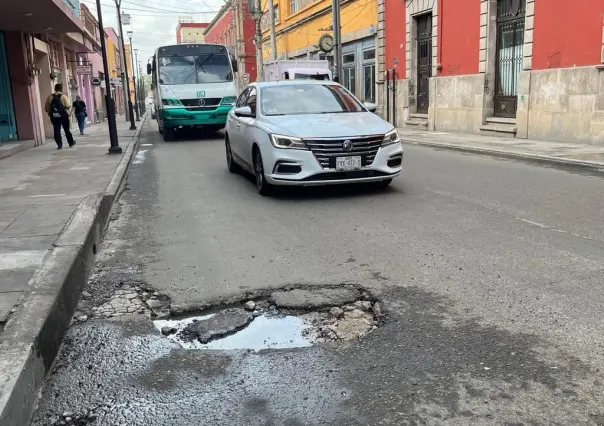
57 109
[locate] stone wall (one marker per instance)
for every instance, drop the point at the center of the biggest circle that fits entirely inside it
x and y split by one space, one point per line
456 103
565 104
402 103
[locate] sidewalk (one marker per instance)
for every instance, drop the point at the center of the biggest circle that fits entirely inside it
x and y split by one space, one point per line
54 205
569 154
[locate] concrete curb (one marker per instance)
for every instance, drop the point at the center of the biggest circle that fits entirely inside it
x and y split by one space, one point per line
33 336
544 159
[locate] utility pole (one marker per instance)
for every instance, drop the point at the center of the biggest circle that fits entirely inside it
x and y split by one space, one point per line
130 34
127 79
337 38
259 59
115 147
271 11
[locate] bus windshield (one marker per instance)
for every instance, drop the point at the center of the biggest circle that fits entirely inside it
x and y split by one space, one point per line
195 69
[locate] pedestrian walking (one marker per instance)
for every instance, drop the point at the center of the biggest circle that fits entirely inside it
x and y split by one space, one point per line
79 109
57 107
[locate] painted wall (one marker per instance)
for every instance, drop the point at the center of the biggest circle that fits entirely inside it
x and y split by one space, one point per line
223 31
191 35
567 33
395 30
356 15
459 37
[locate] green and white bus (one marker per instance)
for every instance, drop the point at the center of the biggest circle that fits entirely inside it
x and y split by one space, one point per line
193 86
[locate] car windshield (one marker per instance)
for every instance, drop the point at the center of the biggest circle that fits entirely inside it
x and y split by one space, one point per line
293 99
206 68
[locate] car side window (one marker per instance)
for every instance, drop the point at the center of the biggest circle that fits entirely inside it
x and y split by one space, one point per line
242 98
251 100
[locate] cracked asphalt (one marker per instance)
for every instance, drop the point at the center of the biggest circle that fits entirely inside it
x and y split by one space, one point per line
490 272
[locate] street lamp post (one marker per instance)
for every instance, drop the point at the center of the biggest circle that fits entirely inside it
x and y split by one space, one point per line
130 33
115 147
118 4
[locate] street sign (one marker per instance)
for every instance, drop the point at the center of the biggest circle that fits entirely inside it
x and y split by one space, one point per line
83 69
96 81
246 78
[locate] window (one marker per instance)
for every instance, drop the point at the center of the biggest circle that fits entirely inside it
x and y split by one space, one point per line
369 55
310 99
203 68
369 83
276 10
251 100
294 6
349 79
348 58
242 98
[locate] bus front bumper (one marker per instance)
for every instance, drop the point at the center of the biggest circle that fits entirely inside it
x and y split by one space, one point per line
177 117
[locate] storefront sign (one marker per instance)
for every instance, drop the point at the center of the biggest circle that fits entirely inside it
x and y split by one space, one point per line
96 81
83 69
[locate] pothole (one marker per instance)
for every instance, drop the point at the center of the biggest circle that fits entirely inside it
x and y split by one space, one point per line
287 319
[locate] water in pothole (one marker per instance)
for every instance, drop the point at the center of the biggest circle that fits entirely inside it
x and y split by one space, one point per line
264 332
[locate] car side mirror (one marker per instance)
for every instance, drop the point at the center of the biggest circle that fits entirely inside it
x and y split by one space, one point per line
244 111
234 65
149 69
371 107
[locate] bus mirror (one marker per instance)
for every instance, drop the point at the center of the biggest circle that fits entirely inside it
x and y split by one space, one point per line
234 64
149 69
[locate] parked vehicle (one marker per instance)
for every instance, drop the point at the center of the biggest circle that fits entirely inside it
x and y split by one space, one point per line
299 69
193 86
326 136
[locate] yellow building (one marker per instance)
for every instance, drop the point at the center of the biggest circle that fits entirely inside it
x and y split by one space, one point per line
299 24
130 74
191 32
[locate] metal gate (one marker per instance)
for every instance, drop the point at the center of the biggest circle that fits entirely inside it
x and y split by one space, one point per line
510 44
424 61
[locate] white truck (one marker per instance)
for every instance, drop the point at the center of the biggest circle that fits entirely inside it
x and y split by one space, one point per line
295 69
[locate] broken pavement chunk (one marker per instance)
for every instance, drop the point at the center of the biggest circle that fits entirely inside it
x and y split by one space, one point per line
222 324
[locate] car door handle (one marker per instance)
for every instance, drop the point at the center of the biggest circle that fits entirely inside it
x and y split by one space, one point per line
238 124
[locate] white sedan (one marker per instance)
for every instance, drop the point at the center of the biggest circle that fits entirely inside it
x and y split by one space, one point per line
309 133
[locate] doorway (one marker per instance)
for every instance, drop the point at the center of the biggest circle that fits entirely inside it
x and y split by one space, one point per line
8 125
424 61
510 51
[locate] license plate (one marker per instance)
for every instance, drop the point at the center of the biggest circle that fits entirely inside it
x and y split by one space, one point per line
348 163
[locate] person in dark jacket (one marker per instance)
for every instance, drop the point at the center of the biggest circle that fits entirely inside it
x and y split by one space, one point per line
57 107
79 108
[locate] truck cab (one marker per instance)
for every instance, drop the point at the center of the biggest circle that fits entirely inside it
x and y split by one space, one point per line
307 74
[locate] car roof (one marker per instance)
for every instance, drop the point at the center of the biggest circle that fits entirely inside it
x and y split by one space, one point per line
294 83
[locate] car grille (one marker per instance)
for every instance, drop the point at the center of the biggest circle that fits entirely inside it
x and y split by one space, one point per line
210 104
326 150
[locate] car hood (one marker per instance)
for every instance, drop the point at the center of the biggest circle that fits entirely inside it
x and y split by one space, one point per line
327 125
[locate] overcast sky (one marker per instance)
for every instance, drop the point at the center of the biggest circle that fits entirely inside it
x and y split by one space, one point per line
154 21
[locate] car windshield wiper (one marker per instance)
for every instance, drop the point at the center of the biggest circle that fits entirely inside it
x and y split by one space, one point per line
207 59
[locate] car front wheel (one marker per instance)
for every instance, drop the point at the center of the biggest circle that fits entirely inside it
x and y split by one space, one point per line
264 188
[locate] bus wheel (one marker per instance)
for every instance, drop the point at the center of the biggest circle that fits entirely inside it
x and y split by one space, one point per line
168 134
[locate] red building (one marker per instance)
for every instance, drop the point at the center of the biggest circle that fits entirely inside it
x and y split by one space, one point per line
516 68
234 27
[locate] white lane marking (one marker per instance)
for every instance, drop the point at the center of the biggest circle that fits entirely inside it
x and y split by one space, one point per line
540 225
146 144
47 195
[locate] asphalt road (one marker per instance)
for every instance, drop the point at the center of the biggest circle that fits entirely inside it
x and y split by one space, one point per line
490 272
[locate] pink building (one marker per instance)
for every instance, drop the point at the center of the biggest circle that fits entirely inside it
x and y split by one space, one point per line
40 41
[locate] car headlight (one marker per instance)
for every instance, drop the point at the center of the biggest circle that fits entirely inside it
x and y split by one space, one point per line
391 138
228 100
287 142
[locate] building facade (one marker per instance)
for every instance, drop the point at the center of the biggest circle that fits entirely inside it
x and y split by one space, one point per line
40 41
190 32
115 63
234 27
299 24
516 68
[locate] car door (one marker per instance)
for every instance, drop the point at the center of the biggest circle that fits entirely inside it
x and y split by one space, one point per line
234 125
248 125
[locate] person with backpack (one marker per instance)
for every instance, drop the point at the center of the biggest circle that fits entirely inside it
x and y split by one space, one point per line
57 107
79 109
